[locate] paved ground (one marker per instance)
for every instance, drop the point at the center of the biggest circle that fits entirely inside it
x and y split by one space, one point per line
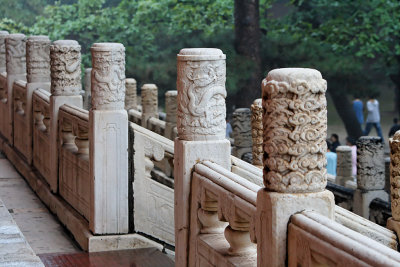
40 228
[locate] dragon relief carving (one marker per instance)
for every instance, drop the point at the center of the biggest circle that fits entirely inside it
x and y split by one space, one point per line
201 103
108 80
394 144
65 69
295 127
15 54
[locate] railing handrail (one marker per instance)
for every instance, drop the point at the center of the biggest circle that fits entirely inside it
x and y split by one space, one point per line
73 111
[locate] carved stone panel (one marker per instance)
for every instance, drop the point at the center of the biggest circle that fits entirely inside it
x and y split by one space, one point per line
108 76
65 62
257 131
131 94
38 59
395 175
295 126
370 163
15 53
171 106
344 167
3 35
201 94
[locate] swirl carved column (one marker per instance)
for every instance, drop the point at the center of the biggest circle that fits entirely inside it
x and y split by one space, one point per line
108 133
171 107
38 59
394 144
295 126
149 102
257 132
131 94
241 126
370 163
201 127
344 169
3 35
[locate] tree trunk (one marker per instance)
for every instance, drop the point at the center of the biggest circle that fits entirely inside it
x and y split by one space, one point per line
396 80
247 44
345 110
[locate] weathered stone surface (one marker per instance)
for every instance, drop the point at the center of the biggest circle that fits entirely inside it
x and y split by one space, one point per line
108 76
171 107
344 165
149 102
3 35
241 126
394 144
370 163
362 200
295 126
15 53
201 94
131 94
87 97
38 59
257 132
65 60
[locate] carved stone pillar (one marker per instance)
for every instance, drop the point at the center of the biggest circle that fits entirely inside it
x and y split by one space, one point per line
38 76
149 102
88 91
65 67
16 70
131 94
108 135
370 174
3 35
241 126
201 130
257 132
295 125
171 113
344 167
394 222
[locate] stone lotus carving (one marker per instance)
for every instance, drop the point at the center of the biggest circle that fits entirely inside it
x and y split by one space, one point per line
201 94
394 144
65 59
131 94
38 59
108 76
295 126
257 132
370 163
15 53
3 35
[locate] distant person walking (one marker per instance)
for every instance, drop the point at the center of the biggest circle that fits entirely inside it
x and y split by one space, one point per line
373 118
334 142
331 159
395 127
358 110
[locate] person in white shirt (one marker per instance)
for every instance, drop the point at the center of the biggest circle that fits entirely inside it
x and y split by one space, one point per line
373 118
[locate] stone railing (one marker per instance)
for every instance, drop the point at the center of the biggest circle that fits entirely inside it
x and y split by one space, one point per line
74 178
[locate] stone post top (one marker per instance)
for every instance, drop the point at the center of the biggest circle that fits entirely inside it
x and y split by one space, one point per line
196 54
4 33
66 43
149 86
343 148
88 70
16 36
257 102
241 110
288 74
130 81
107 47
368 140
38 38
171 93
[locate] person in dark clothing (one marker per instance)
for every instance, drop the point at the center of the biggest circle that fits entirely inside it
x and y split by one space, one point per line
395 127
334 142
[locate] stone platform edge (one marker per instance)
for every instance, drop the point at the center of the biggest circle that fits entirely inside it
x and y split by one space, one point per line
69 217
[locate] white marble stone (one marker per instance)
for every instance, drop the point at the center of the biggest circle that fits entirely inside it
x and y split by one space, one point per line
362 199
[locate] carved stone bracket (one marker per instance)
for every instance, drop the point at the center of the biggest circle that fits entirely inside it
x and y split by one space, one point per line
65 62
3 35
295 126
201 94
15 53
108 76
38 59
